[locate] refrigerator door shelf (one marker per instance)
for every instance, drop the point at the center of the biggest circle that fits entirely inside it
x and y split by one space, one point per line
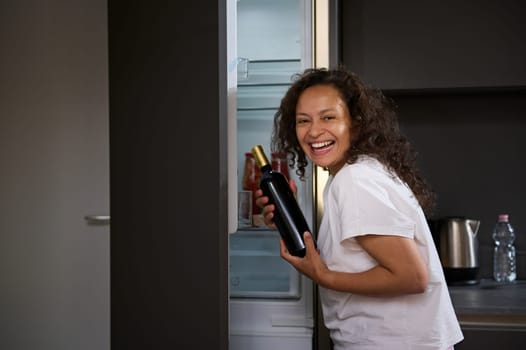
271 72
257 270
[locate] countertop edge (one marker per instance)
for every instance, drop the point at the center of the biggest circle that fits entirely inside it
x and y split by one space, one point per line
492 322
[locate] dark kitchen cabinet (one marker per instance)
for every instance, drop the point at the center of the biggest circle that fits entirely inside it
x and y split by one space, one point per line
405 45
492 338
470 150
456 71
492 315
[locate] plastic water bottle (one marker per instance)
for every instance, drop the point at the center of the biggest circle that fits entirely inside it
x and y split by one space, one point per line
504 254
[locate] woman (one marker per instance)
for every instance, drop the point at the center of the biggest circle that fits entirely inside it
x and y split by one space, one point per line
380 278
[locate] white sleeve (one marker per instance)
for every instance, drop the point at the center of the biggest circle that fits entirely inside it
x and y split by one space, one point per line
369 206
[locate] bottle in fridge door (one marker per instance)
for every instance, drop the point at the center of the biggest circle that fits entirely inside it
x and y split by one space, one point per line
250 181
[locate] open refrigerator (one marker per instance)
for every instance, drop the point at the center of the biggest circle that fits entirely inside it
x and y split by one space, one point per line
272 306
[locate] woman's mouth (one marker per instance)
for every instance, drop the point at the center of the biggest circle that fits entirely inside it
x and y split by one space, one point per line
318 146
321 148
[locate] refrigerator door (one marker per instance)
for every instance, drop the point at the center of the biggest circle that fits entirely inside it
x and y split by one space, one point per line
271 304
269 49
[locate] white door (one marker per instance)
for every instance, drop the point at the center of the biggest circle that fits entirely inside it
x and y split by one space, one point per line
54 153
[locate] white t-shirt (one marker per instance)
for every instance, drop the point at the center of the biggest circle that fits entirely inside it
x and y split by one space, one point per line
363 198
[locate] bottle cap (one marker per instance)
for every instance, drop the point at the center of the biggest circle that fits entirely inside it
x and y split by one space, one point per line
260 156
503 217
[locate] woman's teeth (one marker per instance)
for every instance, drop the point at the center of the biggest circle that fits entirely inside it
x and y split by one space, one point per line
319 145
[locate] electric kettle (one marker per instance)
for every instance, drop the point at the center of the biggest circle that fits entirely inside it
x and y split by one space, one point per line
457 243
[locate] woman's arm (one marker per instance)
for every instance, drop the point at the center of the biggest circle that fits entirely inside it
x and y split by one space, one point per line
400 269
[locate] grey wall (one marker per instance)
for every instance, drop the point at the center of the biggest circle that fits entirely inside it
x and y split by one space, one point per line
457 72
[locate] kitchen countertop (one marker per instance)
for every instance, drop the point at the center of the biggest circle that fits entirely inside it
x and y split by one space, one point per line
489 304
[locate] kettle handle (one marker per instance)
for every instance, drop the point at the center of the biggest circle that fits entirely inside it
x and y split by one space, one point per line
474 224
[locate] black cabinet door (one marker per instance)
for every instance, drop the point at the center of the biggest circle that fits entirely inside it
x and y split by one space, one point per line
476 339
435 44
169 240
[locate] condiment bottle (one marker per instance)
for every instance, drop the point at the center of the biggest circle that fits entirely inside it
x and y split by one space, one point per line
251 178
279 163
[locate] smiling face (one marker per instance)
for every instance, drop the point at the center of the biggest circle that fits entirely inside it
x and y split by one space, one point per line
323 126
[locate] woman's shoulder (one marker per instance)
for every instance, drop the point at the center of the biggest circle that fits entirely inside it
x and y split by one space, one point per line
365 166
366 172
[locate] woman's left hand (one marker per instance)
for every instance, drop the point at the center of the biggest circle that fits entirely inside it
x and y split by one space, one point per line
311 265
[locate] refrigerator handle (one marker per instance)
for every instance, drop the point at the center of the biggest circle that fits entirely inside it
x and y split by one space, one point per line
97 219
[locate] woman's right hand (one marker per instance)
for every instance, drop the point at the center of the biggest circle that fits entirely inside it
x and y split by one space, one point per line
268 209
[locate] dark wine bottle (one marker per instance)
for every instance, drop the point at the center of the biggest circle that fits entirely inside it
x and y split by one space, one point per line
288 217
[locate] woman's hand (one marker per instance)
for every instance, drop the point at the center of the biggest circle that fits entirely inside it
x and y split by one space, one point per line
268 209
311 265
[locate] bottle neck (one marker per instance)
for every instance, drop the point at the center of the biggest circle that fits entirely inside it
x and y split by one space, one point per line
266 168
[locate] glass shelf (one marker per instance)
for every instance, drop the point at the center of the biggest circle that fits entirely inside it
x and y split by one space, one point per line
260 96
267 83
261 114
271 72
257 269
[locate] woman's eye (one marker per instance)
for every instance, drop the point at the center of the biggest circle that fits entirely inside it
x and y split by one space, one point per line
328 117
301 121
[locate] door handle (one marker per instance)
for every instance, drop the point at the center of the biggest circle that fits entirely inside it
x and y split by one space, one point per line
97 219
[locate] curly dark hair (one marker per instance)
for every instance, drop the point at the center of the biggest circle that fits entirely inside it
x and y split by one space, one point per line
375 130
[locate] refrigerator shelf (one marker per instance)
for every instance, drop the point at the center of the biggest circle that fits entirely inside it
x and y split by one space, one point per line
257 269
262 230
256 114
264 242
252 253
266 277
278 71
260 96
267 82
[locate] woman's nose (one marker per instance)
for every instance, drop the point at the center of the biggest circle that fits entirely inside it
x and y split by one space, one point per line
315 129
